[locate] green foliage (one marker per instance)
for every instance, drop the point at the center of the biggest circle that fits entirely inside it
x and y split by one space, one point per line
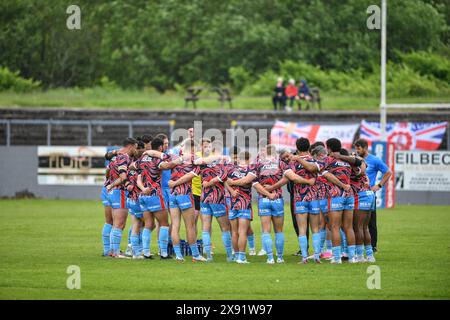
13 81
428 64
239 78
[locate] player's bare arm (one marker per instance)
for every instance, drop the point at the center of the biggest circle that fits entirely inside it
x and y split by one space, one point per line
141 186
261 190
310 166
122 178
233 192
383 181
184 179
277 185
243 181
332 178
295 178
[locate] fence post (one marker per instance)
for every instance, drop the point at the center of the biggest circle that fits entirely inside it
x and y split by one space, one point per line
49 133
171 127
130 129
89 137
8 133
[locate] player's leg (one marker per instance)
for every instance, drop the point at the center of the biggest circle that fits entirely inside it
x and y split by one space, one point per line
188 215
106 231
149 226
335 226
206 215
234 224
266 224
175 215
251 240
314 222
225 227
163 219
119 215
366 206
277 212
135 230
196 213
347 224
358 226
301 219
244 224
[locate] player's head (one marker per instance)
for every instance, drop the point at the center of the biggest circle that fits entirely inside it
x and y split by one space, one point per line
316 144
217 147
333 145
271 150
206 146
188 146
244 157
165 140
318 152
285 155
157 144
140 149
129 146
344 152
262 147
302 144
147 139
235 151
362 147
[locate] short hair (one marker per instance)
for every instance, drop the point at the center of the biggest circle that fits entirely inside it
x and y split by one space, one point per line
156 143
129 141
162 136
318 151
302 144
235 151
140 144
206 140
334 144
362 143
245 155
316 144
344 152
270 149
146 138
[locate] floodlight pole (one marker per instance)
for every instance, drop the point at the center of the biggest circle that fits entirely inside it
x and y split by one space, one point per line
383 111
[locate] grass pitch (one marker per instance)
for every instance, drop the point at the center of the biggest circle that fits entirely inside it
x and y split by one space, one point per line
41 238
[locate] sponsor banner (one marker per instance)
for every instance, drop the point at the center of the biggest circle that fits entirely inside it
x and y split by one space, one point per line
62 165
284 134
385 197
407 135
423 170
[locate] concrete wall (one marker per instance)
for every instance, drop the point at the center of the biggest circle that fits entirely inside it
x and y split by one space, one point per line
19 167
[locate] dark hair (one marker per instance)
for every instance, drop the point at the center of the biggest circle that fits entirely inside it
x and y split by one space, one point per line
302 144
245 155
146 138
235 151
141 144
316 144
206 140
334 145
161 136
156 143
362 143
129 141
344 152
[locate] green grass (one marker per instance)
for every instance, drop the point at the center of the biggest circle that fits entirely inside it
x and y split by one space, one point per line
121 99
41 238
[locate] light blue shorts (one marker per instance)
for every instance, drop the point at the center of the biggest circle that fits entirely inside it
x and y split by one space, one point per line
118 198
182 202
365 200
342 203
105 198
213 209
152 203
166 196
302 207
134 208
274 208
241 214
323 204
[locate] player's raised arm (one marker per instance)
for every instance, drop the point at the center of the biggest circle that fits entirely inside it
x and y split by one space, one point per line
332 178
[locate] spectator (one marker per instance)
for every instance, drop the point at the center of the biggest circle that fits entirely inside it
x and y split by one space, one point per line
304 93
291 92
279 97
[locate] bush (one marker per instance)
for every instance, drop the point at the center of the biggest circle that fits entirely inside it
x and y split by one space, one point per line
428 64
13 81
239 78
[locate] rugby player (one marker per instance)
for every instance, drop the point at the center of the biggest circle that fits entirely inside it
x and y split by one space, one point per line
106 232
151 199
181 202
117 193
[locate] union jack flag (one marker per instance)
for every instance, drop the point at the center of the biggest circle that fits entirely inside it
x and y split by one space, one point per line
407 135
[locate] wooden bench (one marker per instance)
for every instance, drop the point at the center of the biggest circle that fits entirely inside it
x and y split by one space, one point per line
315 100
194 92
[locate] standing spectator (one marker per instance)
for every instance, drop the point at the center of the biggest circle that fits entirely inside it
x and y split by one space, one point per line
279 97
374 165
291 92
304 93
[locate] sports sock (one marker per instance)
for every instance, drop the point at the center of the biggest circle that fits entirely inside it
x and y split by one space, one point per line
206 237
226 239
316 244
369 250
336 253
279 244
267 245
106 235
135 244
242 256
251 242
140 243
129 235
146 238
116 234
163 240
359 250
343 241
194 250
303 242
323 238
329 245
177 250
351 251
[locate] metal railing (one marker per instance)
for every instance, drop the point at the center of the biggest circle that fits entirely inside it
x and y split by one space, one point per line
88 123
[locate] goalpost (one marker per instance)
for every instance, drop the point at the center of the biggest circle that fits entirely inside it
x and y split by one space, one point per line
383 105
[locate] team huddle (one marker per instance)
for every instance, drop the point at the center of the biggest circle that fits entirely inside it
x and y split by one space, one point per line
331 195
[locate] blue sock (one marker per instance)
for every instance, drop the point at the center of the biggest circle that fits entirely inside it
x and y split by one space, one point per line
303 242
106 235
323 238
116 235
242 256
140 243
146 238
343 241
359 250
267 245
279 244
329 244
135 244
336 253
351 251
251 242
129 235
206 237
177 250
369 250
316 244
226 239
194 250
163 240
